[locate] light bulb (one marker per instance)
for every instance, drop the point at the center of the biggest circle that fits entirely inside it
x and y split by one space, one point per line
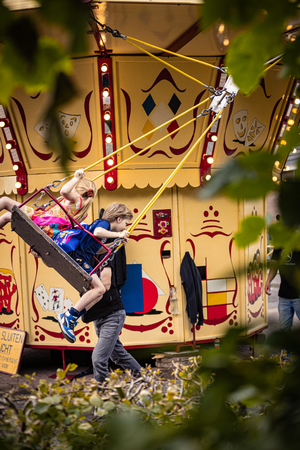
15 167
110 162
108 139
18 185
105 92
110 180
8 146
291 122
297 101
2 124
221 28
208 177
274 179
214 138
210 160
106 115
104 68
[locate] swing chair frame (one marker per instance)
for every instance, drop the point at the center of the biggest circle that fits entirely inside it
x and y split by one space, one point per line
52 254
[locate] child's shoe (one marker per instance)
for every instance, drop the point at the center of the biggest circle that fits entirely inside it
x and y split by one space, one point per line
67 323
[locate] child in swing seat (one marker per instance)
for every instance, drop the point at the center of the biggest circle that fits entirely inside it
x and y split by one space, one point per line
78 195
112 225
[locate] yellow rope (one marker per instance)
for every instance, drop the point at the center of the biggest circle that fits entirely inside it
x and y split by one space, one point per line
147 134
167 64
273 64
163 187
171 53
144 149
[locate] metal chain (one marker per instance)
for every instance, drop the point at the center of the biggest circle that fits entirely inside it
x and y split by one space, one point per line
115 245
204 113
107 29
213 90
54 184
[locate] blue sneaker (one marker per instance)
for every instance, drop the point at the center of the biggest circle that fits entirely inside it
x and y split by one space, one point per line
67 323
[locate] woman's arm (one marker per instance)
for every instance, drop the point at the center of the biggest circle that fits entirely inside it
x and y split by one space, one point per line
67 190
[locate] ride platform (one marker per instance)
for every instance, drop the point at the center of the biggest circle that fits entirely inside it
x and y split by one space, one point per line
52 255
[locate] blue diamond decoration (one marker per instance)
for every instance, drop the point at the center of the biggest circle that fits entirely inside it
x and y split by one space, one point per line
149 104
174 104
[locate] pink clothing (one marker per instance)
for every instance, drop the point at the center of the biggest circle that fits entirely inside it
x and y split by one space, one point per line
53 220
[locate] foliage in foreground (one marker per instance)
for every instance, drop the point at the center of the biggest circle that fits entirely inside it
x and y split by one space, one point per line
219 401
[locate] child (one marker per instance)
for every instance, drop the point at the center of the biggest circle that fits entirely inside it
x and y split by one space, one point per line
112 225
78 195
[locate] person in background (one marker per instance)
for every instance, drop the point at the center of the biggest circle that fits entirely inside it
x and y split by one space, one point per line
109 317
288 264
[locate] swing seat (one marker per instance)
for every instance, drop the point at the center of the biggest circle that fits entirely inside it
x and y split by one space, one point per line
51 254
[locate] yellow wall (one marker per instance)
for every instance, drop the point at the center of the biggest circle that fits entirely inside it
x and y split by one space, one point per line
233 285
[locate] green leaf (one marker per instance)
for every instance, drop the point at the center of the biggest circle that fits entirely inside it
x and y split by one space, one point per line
95 400
244 177
285 237
6 18
249 231
22 34
54 400
289 201
233 12
41 408
72 15
244 63
109 406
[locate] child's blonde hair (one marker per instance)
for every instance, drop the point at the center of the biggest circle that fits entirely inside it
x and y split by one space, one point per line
115 210
84 188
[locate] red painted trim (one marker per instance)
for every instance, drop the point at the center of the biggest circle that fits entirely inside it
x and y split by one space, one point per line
163 344
14 152
113 172
205 167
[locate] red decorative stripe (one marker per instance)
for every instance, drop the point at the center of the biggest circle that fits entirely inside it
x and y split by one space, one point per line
143 328
164 75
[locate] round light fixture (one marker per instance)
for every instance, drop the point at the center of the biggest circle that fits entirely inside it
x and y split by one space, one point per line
104 68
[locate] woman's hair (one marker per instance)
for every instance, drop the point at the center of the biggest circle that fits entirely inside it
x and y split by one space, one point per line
84 188
115 210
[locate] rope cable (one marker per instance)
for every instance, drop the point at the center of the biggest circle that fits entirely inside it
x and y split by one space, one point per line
173 53
147 134
147 148
167 64
273 64
169 179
